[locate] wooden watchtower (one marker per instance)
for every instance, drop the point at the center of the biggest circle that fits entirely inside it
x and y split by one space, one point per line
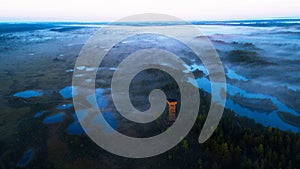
172 109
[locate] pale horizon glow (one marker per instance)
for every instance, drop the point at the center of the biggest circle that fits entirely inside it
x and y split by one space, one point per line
110 10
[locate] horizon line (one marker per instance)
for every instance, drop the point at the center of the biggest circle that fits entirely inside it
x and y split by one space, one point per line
107 22
49 20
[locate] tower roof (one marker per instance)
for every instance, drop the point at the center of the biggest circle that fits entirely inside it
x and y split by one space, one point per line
172 100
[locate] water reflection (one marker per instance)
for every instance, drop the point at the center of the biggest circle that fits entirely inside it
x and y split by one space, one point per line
101 102
231 74
67 92
75 128
39 114
52 119
26 158
64 106
109 118
267 119
28 93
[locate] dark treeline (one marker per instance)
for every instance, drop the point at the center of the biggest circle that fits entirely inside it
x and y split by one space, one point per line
236 145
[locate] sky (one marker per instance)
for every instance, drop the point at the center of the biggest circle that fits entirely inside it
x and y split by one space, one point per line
111 10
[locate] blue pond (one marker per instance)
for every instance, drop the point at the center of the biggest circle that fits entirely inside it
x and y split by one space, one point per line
106 117
88 80
75 127
52 119
26 158
271 119
231 74
64 106
195 67
107 121
68 92
28 93
79 115
101 102
39 114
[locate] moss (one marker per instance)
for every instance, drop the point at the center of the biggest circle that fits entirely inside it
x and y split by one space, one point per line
246 56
